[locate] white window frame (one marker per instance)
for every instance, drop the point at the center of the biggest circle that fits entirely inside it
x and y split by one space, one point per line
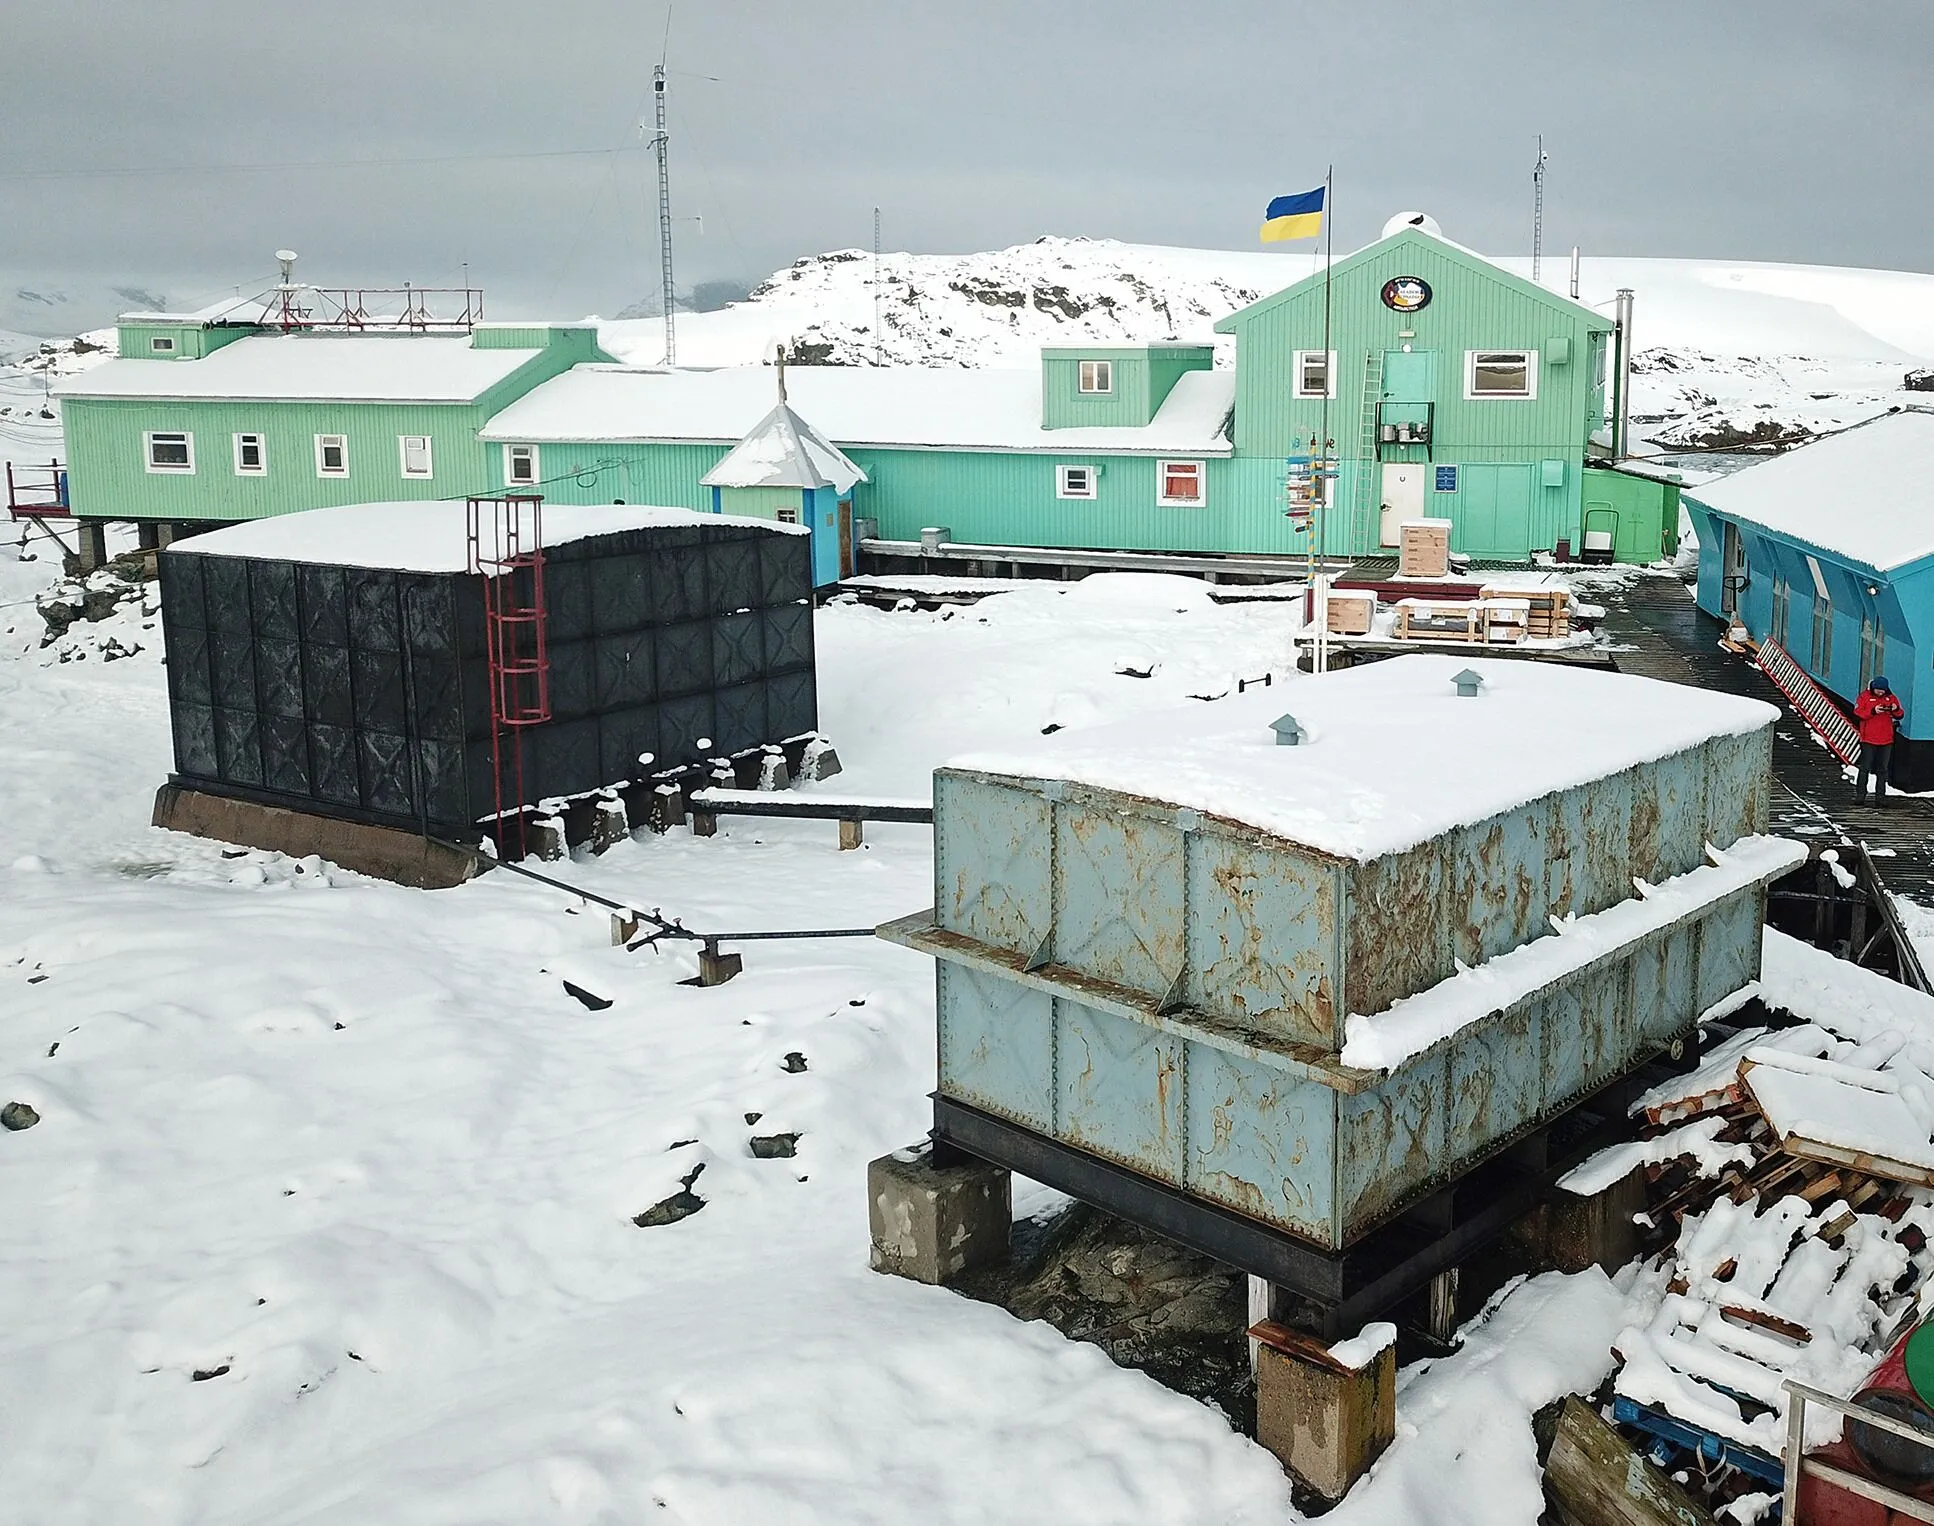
403 456
169 469
342 444
1329 373
1530 393
785 516
162 344
1095 378
1064 479
1162 499
511 479
261 467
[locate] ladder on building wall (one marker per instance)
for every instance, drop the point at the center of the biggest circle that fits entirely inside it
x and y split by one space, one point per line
1813 704
506 549
1366 514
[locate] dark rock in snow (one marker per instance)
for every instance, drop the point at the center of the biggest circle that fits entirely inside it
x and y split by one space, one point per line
16 1116
752 1118
1918 381
590 999
795 1062
774 1146
682 1204
203 1374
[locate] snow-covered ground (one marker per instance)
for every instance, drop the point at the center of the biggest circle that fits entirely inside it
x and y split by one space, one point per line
328 1213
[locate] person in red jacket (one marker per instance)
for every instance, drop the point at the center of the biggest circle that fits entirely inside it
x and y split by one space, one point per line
1877 713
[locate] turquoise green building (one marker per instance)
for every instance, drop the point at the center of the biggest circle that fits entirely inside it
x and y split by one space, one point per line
1447 388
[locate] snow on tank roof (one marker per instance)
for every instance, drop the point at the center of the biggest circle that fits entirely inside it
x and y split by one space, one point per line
419 368
1392 756
427 536
913 406
1863 493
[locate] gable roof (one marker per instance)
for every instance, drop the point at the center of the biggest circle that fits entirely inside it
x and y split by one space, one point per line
1456 253
337 368
783 450
1865 493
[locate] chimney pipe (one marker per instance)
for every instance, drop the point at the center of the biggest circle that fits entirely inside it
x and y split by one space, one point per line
1574 272
1621 422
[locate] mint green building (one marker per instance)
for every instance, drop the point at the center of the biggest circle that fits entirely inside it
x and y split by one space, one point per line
1448 388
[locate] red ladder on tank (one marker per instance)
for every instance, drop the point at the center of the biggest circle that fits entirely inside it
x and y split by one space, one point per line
1814 705
506 549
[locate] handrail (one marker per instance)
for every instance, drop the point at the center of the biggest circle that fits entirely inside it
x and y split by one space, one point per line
1799 1465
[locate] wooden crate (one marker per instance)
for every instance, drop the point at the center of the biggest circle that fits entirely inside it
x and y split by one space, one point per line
1548 614
1505 620
1423 548
1351 612
1436 620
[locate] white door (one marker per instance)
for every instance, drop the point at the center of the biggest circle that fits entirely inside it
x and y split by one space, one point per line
1403 497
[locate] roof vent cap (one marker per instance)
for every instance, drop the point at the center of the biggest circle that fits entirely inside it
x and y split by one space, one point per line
1467 682
1288 732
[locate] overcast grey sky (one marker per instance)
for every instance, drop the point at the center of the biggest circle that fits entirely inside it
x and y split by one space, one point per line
1769 130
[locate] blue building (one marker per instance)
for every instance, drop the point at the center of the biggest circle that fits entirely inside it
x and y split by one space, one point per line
1828 550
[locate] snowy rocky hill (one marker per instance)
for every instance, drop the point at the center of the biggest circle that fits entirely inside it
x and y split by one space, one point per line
1727 351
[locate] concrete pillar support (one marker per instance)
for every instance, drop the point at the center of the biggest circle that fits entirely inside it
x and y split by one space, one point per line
931 1223
1327 1412
1596 1229
852 834
92 534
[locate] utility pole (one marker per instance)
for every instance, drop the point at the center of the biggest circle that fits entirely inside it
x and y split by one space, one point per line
1538 211
661 141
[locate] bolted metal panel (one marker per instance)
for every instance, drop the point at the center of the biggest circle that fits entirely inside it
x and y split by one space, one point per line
181 593
1261 937
1119 912
737 648
272 598
684 723
225 594
1728 948
1261 1141
1495 1089
997 1045
1736 790
278 678
332 754
1391 1140
237 754
739 716
285 754
572 681
1669 815
1497 890
993 863
1118 1089
188 660
625 739
1606 816
320 599
684 653
376 682
1562 1042
195 740
1565 871
623 672
1678 954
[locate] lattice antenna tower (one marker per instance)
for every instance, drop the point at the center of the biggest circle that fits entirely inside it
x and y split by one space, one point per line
661 142
1538 210
879 339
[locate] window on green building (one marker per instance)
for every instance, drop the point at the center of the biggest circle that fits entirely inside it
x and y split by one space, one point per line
520 466
1178 484
414 453
160 344
1097 376
1500 373
1074 482
170 451
251 456
1316 373
332 455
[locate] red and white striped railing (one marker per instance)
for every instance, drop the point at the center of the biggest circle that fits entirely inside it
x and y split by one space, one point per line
1815 706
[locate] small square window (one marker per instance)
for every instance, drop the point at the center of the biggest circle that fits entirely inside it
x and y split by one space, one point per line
161 344
1178 484
520 465
1315 373
1097 376
1074 482
1501 373
171 451
251 456
786 516
414 453
332 455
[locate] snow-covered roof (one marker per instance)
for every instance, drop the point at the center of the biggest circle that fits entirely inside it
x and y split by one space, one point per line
1866 493
783 450
916 407
426 535
1392 756
363 368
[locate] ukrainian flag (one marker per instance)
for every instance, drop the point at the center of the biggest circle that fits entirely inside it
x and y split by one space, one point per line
1293 217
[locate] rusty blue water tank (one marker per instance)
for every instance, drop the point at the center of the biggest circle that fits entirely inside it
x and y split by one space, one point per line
1311 984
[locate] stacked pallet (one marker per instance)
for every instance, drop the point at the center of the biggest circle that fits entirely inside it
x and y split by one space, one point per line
1548 616
1423 548
1438 620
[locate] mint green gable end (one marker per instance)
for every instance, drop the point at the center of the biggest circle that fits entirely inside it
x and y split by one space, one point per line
1140 379
106 443
1517 488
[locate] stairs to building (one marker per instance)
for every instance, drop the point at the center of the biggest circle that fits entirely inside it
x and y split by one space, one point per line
1812 703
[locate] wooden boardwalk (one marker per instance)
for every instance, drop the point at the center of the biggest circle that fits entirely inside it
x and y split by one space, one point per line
1658 631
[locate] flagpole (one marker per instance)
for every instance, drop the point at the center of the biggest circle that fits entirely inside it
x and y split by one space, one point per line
1320 588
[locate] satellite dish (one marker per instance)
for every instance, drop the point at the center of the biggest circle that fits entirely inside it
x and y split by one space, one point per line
286 254
286 258
1420 220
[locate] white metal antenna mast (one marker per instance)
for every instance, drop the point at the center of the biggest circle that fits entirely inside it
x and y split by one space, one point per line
661 141
1538 210
878 338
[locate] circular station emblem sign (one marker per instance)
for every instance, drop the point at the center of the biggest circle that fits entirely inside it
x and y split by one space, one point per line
1406 294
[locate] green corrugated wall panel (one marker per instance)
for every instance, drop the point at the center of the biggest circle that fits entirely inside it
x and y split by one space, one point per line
109 478
1168 365
1648 513
762 502
192 341
666 475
